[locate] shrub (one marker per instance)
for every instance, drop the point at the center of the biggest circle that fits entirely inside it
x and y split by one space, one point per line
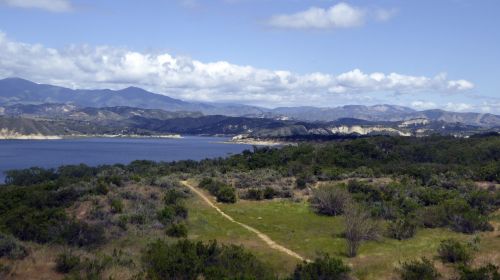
173 196
432 216
452 251
166 216
116 205
123 222
486 272
323 268
403 228
102 188
83 234
93 268
255 194
4 270
330 200
177 230
138 219
11 248
455 214
226 194
181 212
30 176
221 191
301 182
195 260
67 262
422 269
172 213
269 193
462 218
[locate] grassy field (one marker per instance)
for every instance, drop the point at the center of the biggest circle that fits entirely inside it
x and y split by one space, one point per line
206 224
295 226
290 224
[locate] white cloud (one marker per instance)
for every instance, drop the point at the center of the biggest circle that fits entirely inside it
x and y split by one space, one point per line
57 6
182 77
341 15
458 107
423 105
460 85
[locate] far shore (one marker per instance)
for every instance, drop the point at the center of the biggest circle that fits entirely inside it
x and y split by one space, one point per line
75 136
258 142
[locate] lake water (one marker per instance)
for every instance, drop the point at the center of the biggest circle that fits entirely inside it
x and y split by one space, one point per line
19 154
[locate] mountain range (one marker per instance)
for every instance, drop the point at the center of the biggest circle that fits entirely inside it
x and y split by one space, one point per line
18 94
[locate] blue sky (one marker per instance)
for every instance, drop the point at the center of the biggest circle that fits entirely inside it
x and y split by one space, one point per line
422 54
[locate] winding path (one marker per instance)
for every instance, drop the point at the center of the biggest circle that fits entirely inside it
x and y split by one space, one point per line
272 244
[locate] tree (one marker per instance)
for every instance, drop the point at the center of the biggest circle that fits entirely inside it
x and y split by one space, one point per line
358 227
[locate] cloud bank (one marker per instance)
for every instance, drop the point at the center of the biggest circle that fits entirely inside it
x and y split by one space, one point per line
85 66
341 15
57 6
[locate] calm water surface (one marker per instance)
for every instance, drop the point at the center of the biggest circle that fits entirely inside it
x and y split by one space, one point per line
18 154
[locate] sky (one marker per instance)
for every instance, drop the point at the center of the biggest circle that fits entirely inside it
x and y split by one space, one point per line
423 54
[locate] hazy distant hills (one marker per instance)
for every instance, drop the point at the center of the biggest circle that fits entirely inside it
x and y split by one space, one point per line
15 91
386 113
68 111
20 91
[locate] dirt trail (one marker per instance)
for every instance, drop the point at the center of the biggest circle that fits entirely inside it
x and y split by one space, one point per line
261 235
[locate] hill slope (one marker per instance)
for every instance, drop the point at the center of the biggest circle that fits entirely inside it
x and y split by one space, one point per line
18 91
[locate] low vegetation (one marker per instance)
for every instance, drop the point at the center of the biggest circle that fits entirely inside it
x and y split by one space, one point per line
355 207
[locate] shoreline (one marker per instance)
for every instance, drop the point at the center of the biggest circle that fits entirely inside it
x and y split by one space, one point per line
76 136
258 142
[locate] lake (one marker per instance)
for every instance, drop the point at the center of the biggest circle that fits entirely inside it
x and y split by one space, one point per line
19 154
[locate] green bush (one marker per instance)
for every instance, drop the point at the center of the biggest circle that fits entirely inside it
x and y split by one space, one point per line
116 205
301 182
181 212
269 193
31 224
67 262
123 222
403 228
323 268
81 234
11 248
177 230
172 213
102 188
173 196
226 194
222 192
452 251
4 270
486 272
195 260
140 218
422 269
30 176
166 216
255 194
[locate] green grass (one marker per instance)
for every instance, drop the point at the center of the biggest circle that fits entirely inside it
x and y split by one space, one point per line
204 223
294 225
